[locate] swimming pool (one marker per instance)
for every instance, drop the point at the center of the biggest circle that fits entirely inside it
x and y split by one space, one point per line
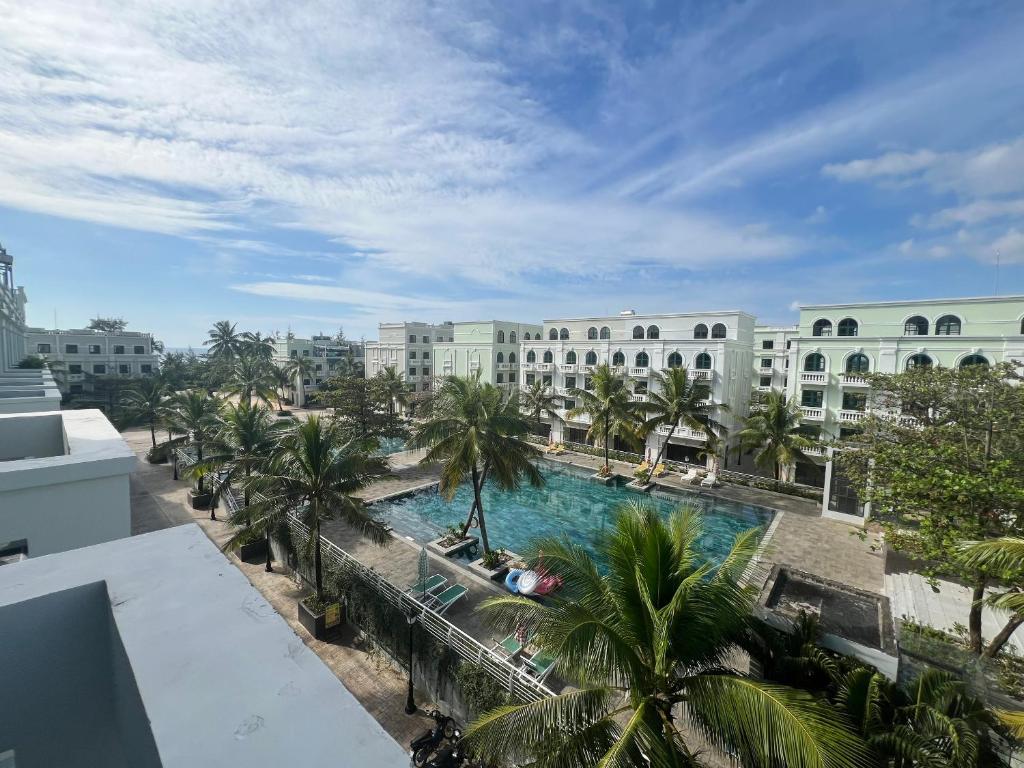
389 445
570 503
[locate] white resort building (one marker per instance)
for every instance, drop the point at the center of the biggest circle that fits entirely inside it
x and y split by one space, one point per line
490 348
82 354
408 348
714 346
327 358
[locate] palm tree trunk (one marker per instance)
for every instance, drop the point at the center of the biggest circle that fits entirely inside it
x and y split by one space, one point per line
199 458
607 422
661 451
477 488
1004 634
152 431
317 565
974 617
269 568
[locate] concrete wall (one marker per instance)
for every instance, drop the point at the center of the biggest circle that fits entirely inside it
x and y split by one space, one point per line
61 516
70 696
31 436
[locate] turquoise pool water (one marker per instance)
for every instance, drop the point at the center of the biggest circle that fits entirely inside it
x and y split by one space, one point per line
569 503
389 445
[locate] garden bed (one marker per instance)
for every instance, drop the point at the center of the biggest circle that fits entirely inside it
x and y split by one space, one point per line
449 547
321 621
504 562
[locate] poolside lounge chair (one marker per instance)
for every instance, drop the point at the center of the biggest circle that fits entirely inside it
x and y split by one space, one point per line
429 586
642 467
510 647
540 665
711 481
690 476
658 471
442 601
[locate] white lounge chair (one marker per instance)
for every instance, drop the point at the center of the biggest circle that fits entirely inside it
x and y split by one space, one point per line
711 481
690 476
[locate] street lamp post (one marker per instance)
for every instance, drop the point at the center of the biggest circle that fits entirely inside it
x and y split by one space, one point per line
410 701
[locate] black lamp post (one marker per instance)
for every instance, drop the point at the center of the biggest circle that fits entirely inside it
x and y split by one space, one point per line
410 701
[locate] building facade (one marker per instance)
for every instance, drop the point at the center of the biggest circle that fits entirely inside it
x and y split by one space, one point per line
83 354
327 358
12 316
771 357
716 347
490 348
408 348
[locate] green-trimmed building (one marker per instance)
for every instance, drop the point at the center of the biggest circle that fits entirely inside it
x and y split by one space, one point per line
490 347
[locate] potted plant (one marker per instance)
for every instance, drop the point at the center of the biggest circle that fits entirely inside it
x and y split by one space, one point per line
494 564
604 474
321 618
452 541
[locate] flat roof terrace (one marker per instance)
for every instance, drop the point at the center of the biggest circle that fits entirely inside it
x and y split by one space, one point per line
25 391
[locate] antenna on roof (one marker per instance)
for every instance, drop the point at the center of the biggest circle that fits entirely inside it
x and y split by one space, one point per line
997 272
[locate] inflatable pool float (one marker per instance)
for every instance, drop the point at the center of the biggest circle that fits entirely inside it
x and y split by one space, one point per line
528 582
512 580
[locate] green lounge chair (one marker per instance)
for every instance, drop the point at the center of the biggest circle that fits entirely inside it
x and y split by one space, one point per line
427 587
540 665
509 647
442 601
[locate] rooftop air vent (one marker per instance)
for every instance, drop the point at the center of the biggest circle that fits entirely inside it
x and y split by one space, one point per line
627 313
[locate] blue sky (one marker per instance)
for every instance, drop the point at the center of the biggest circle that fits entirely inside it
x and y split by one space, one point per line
312 165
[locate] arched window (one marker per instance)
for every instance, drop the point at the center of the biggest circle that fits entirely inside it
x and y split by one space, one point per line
947 325
531 356
618 359
501 357
974 360
702 362
1022 326
675 360
642 360
553 334
501 337
548 357
591 332
511 337
718 331
564 334
652 332
847 327
814 362
700 331
638 331
915 326
822 328
606 332
919 361
570 357
591 357
858 363
511 357
526 336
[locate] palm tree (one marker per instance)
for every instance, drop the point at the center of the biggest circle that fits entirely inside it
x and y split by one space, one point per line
194 413
250 375
610 407
680 401
774 433
315 474
476 433
258 345
225 342
393 385
146 401
538 401
299 369
931 722
1003 558
280 380
244 442
647 644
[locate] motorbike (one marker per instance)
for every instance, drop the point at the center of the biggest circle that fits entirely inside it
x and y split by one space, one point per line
453 755
425 744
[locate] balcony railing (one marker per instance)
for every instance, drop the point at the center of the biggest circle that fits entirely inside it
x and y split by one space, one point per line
809 377
506 366
587 368
691 434
528 366
851 416
814 451
852 380
639 373
812 414
567 367
702 373
764 389
543 366
639 397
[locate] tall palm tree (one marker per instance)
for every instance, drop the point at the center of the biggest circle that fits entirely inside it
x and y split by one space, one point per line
773 432
299 369
1003 558
256 344
679 401
246 438
250 376
145 401
194 413
392 383
933 721
539 401
476 433
646 645
610 407
225 341
281 380
315 474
